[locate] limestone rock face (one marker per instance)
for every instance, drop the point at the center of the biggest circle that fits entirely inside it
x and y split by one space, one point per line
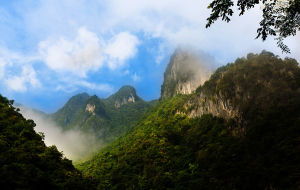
125 100
185 72
126 95
216 105
90 108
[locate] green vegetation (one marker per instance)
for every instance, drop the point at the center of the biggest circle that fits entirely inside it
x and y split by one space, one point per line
257 85
25 161
280 18
110 118
169 150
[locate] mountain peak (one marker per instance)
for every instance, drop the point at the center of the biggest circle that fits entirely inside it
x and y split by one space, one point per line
186 71
127 89
126 94
81 96
78 100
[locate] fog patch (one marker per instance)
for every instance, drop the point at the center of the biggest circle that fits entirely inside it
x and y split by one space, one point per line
194 63
74 144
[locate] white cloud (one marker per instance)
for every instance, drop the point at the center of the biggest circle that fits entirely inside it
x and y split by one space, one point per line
93 86
70 85
21 82
135 77
16 83
16 71
66 88
109 40
2 68
9 58
88 52
177 22
126 72
120 48
79 56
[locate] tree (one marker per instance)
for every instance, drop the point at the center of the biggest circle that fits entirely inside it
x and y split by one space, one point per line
281 18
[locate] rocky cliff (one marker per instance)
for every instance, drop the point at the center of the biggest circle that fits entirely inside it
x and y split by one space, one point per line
185 72
181 144
257 81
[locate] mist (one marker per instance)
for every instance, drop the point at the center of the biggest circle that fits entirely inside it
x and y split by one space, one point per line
203 65
74 144
197 63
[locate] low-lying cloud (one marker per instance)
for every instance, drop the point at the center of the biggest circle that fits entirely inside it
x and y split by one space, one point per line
74 144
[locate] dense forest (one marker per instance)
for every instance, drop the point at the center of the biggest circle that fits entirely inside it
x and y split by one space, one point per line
25 161
259 149
239 130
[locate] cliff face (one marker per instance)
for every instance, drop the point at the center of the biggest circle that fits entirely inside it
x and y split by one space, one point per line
248 89
178 146
215 105
185 72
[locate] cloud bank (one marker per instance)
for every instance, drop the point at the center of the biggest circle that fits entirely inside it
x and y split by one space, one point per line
120 48
79 56
74 46
74 144
175 22
88 52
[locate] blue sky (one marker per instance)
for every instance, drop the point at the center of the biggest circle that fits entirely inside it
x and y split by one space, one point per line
53 49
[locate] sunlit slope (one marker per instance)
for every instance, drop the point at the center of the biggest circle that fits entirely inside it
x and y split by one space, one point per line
240 130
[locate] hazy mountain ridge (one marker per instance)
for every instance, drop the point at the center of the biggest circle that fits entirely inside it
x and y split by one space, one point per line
107 118
181 144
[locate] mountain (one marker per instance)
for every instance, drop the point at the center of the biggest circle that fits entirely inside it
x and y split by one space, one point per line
26 162
239 130
125 95
185 72
107 118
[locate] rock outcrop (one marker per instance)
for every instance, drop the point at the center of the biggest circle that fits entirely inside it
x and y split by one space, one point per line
257 81
185 72
125 95
90 108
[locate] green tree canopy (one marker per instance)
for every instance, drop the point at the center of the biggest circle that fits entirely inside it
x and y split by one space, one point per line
281 18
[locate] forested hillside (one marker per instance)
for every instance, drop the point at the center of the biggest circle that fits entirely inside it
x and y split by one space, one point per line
25 161
106 118
240 130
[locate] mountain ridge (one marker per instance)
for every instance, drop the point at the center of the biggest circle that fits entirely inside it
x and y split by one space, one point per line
197 140
107 118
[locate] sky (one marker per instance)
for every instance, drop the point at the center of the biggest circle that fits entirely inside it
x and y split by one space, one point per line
51 50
